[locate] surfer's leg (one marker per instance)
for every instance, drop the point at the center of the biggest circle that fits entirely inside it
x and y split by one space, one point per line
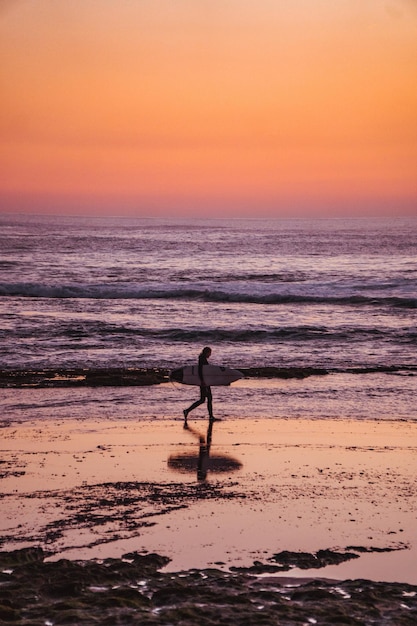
209 402
196 404
210 406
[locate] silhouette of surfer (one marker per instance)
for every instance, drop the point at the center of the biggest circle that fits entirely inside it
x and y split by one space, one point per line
205 390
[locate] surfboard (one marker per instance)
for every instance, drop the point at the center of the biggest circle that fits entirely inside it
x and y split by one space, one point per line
214 375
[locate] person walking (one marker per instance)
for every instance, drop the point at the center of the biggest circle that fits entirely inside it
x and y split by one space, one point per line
205 390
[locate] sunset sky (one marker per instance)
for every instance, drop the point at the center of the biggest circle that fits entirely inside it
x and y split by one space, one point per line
208 107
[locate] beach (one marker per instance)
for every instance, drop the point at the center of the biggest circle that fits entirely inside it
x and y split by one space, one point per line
254 504
298 507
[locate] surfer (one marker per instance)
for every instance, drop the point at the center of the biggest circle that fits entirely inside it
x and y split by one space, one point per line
205 390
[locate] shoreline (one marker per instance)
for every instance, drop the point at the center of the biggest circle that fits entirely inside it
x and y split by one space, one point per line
67 377
108 519
95 488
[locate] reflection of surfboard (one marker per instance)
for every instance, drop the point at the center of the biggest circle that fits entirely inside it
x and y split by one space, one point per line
215 463
214 375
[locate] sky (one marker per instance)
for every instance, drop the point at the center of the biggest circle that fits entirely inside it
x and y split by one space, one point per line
208 107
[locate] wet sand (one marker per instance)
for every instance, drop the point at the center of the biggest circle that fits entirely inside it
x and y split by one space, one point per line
259 502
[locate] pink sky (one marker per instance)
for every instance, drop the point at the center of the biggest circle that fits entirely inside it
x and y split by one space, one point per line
209 107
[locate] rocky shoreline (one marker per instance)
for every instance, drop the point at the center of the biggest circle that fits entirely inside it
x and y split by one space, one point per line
99 527
76 495
144 376
134 590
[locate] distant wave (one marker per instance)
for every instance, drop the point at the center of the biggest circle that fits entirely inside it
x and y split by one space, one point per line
291 334
129 292
283 277
97 330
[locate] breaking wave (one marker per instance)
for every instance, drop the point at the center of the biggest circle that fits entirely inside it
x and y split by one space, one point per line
98 331
131 292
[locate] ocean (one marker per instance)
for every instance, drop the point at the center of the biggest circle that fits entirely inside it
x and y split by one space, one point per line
337 295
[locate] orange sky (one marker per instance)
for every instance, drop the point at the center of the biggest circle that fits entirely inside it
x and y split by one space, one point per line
209 107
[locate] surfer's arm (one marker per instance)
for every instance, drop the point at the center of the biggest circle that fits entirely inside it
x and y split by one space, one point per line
202 381
200 372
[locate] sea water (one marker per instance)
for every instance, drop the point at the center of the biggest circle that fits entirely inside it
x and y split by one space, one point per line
337 294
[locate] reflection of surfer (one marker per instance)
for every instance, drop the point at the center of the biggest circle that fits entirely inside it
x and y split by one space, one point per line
204 450
204 461
205 391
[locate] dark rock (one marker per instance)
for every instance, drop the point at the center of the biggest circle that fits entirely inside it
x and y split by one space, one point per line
305 560
133 590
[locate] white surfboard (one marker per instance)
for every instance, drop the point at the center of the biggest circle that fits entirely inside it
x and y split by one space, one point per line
214 375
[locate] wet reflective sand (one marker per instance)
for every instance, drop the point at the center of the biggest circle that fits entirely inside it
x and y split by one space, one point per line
227 496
